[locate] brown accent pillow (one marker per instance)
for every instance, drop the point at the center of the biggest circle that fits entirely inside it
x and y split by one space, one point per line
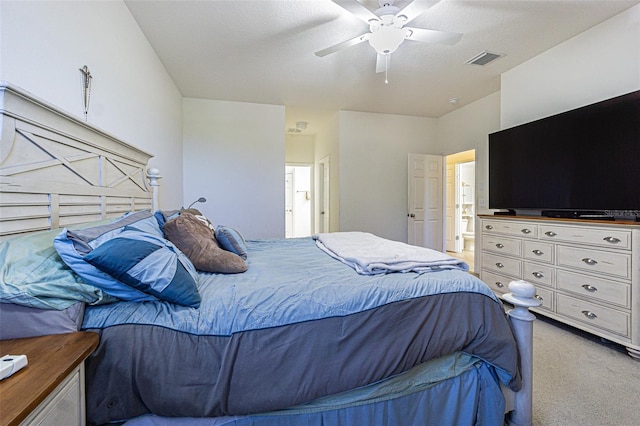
198 243
191 210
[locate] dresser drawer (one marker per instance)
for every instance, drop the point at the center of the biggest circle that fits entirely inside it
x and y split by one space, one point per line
546 297
610 238
64 406
509 227
538 251
498 283
595 288
598 261
502 265
499 244
536 273
595 315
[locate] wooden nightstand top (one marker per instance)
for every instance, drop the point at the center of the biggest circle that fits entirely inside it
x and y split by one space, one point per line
50 359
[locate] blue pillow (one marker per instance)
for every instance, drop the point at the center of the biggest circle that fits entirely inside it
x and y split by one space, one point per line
149 264
73 245
231 240
163 216
32 274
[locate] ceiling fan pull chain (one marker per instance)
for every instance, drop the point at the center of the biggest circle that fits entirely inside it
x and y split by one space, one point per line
386 69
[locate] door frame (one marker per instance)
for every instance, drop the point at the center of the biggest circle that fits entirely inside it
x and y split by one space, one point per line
452 222
323 210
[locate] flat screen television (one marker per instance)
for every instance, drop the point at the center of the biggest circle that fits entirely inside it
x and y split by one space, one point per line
583 160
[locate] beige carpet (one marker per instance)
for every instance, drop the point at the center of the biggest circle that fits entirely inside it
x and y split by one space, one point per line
580 379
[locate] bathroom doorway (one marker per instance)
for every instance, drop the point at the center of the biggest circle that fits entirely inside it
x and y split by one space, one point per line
298 200
461 206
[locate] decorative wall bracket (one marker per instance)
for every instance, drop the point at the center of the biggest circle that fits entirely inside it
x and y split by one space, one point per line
86 89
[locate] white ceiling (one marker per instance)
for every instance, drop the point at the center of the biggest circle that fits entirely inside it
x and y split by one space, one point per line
262 51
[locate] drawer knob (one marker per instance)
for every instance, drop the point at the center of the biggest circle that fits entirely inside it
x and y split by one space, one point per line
499 245
612 240
589 261
488 227
499 265
589 288
589 314
550 234
499 284
537 275
539 297
525 231
538 252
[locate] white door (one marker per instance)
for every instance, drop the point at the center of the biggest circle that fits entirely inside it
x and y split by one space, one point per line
426 210
452 210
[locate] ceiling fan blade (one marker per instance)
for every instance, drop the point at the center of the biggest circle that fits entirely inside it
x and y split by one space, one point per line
357 9
383 63
433 36
415 9
345 44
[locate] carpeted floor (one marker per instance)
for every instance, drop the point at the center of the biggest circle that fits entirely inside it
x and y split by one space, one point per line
580 379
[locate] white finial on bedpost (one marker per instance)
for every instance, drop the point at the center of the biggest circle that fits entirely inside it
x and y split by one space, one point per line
153 175
523 297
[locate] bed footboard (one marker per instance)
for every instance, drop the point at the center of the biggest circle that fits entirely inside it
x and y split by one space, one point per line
522 297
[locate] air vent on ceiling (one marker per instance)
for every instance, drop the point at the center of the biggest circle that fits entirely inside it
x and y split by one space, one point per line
483 58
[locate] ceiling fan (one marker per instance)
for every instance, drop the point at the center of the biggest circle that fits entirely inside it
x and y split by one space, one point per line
387 29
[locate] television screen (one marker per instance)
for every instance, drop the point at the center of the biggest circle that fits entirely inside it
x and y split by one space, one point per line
583 159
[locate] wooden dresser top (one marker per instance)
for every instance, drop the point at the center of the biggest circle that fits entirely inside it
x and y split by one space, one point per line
50 360
557 219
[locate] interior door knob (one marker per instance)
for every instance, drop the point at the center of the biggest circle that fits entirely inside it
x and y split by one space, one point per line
412 215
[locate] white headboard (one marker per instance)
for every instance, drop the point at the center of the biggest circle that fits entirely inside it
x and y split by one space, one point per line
57 170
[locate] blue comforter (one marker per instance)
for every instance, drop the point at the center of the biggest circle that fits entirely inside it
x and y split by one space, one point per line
288 281
297 326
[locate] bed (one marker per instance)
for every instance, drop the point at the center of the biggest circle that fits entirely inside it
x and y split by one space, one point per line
277 332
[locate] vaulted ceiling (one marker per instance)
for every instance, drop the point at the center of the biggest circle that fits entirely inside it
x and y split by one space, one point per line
262 51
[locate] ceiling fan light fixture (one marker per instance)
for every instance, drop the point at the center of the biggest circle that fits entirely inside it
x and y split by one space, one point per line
386 40
399 21
387 30
387 12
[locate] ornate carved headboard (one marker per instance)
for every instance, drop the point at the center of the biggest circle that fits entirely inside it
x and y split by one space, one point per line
57 170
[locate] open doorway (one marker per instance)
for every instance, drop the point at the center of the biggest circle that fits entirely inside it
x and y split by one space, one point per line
461 206
298 200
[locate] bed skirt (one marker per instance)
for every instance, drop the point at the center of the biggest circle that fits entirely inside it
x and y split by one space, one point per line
452 390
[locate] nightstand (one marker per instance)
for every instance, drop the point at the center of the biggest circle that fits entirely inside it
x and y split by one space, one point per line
50 389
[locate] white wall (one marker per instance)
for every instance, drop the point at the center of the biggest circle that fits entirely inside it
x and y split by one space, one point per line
598 64
234 156
373 169
326 146
468 128
601 63
44 43
300 149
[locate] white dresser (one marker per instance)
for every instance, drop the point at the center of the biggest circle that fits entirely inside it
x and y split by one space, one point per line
587 273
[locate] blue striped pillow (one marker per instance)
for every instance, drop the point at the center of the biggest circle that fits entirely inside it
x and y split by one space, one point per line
149 264
73 245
